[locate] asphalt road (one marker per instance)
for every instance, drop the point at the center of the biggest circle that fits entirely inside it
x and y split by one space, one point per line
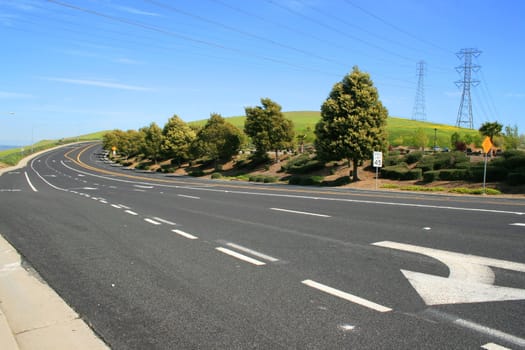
172 262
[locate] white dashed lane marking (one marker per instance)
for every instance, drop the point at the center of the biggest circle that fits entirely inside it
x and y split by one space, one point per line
347 296
184 234
240 256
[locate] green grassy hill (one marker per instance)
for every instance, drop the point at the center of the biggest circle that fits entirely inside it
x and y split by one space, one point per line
400 131
13 155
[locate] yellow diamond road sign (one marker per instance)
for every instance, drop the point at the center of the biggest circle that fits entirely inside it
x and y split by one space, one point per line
487 144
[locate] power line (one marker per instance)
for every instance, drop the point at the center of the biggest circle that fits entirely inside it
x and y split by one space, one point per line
182 36
384 21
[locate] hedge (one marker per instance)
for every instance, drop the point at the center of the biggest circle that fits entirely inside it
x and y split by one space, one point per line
401 172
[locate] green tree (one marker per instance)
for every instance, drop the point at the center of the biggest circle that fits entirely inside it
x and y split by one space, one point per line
268 128
177 138
217 140
454 139
511 138
491 129
353 122
420 138
151 148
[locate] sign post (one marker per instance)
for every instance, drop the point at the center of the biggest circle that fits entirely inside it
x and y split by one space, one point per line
377 162
487 145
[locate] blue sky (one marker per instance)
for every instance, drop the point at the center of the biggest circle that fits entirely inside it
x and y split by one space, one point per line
72 67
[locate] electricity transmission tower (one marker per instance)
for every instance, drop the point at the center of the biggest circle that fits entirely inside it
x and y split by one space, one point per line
419 104
465 106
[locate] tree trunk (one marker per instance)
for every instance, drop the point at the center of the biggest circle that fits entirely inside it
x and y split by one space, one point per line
356 164
277 160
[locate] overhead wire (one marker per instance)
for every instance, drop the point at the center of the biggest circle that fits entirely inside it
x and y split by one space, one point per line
183 36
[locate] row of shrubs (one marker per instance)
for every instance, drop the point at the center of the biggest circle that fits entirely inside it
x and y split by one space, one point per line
456 166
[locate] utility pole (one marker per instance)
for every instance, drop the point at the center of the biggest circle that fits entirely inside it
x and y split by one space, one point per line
465 106
419 103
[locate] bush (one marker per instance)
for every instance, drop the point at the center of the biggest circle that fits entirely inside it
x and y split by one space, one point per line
262 178
431 176
302 164
306 180
216 176
426 163
475 173
515 162
513 153
392 160
453 174
400 172
413 157
197 173
515 179
448 160
341 181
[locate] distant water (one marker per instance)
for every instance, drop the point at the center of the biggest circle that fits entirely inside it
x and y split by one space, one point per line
4 147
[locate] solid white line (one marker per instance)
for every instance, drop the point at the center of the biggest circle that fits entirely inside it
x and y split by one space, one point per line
240 256
185 196
131 212
152 221
29 182
184 234
518 224
347 296
165 221
491 332
252 252
492 346
301 212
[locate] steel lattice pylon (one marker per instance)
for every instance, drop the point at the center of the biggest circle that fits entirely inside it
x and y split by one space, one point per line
419 103
465 106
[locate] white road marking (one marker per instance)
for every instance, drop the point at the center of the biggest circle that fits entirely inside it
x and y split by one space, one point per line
11 190
29 182
492 346
346 327
185 234
138 190
518 224
124 207
116 206
300 212
347 296
240 256
151 221
103 201
491 332
191 197
167 222
131 212
89 188
470 277
252 252
143 186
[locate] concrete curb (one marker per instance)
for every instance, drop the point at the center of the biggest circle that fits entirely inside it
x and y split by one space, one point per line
32 315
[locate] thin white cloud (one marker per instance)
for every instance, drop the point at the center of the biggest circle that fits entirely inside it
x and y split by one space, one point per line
13 95
135 11
515 95
124 60
99 83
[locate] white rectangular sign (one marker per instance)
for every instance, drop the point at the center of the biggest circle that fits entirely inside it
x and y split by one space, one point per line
377 162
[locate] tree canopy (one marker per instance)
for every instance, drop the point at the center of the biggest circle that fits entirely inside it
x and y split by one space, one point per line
151 147
353 121
217 140
177 138
268 128
491 129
